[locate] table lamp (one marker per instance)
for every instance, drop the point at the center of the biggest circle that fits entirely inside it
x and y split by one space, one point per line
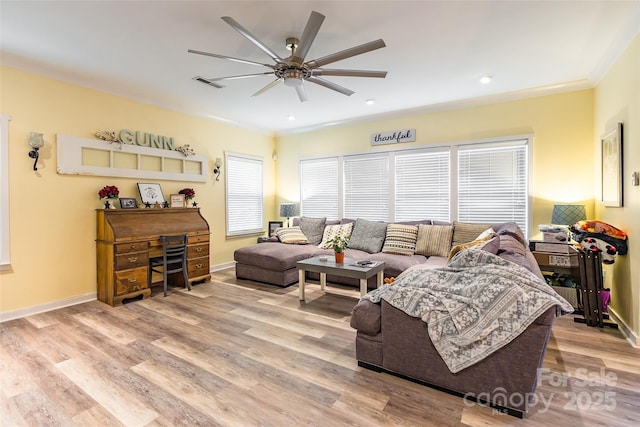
287 210
568 214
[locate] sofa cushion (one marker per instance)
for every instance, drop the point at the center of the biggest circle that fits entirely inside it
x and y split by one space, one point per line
331 231
368 235
400 239
434 240
291 235
464 232
275 256
313 229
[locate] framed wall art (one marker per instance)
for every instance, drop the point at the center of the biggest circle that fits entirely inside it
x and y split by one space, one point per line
273 225
128 203
150 193
611 146
177 201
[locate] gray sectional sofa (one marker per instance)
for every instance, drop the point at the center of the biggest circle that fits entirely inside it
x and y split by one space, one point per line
390 340
274 262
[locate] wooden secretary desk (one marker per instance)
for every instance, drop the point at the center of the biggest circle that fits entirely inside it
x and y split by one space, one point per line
127 238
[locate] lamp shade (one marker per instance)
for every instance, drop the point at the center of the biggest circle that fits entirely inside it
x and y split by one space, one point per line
287 210
568 214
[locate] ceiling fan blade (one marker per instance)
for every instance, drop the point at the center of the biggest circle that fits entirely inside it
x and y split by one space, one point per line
244 61
239 28
308 36
330 85
349 73
267 87
347 53
243 76
207 82
302 93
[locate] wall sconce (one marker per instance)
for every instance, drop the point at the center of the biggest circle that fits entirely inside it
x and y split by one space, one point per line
36 142
218 168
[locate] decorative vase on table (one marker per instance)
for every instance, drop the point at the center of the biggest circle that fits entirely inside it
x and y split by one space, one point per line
189 194
339 257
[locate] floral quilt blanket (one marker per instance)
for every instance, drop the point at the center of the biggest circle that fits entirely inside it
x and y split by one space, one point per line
472 307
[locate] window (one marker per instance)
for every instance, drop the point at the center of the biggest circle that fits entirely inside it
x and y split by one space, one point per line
484 181
492 183
245 214
422 185
319 188
366 187
5 259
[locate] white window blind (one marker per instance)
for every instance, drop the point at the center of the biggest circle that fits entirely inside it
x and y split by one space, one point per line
422 186
244 194
366 187
492 184
319 188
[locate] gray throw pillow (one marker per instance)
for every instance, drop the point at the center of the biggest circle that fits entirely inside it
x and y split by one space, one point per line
312 229
368 236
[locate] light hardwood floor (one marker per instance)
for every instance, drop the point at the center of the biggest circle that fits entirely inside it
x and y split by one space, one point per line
238 353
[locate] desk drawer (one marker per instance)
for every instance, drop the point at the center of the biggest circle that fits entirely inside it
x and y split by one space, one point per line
196 251
131 280
123 248
201 238
198 267
132 260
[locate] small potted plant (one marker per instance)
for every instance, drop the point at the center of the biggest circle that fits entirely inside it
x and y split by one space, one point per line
339 244
109 192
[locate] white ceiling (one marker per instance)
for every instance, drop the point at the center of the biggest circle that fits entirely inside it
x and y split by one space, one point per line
436 52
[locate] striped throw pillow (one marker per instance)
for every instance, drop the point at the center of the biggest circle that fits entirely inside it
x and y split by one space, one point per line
434 240
291 235
465 232
401 239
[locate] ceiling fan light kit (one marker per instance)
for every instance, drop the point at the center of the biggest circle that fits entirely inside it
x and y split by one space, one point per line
294 71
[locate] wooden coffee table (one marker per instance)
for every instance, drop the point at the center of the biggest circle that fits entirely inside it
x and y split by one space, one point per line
346 269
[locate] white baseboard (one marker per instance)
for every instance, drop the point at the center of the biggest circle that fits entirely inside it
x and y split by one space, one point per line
53 305
223 266
633 339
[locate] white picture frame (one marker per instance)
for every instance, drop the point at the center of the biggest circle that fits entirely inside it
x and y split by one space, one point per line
177 201
150 193
611 145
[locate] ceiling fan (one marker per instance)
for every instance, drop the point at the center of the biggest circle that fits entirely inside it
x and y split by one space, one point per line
293 70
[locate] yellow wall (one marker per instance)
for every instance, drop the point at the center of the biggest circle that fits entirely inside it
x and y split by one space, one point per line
562 126
617 99
52 216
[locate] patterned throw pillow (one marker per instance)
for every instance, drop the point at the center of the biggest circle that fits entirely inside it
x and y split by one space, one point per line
291 235
401 239
331 231
434 240
464 232
312 228
368 236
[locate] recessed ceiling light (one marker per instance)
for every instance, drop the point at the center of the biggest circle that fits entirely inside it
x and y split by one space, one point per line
370 101
486 79
291 118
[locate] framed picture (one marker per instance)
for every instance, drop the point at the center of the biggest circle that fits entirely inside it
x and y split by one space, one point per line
272 227
177 201
128 203
612 167
150 193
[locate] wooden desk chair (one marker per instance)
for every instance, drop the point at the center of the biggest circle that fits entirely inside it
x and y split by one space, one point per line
173 260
